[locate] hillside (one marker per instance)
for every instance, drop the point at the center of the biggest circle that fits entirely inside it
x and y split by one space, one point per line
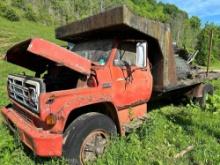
187 31
12 32
169 129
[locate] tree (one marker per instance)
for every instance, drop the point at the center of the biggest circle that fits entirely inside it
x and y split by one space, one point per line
203 41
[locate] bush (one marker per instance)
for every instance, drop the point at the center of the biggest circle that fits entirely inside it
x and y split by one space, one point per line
18 3
9 13
30 14
213 104
45 18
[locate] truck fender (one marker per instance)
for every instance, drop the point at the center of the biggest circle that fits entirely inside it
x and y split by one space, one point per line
201 89
106 108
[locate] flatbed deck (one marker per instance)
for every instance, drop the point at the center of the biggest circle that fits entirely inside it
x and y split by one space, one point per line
199 78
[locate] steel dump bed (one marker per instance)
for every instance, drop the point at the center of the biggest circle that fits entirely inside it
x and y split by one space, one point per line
120 22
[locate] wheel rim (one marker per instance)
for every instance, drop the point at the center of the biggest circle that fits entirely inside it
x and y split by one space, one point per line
93 146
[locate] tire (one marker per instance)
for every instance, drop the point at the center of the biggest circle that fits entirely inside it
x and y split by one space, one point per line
207 90
83 130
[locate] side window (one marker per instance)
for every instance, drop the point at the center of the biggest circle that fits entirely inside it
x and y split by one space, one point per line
126 54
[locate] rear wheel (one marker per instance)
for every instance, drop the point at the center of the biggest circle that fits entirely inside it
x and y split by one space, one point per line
86 138
207 90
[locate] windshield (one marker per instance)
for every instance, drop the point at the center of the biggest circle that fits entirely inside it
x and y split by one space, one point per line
96 50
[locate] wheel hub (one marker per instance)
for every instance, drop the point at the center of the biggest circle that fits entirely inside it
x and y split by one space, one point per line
93 146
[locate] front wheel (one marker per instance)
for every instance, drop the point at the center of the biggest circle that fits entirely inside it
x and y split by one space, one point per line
86 138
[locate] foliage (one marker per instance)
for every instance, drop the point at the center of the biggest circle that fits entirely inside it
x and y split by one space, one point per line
30 14
12 32
186 31
213 104
203 44
18 3
8 12
147 8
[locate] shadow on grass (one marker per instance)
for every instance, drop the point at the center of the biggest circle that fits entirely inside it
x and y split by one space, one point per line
184 120
180 101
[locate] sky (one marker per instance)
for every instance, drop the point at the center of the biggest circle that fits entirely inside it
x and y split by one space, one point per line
206 10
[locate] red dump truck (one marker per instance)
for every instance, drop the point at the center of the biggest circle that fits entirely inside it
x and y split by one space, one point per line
115 63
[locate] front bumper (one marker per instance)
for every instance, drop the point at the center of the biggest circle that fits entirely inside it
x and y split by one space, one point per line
43 143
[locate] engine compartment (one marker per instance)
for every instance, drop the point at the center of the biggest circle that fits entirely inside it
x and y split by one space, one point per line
58 77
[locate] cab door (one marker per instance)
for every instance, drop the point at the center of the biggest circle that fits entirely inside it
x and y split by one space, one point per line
132 85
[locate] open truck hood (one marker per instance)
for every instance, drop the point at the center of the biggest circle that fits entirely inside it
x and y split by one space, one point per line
35 54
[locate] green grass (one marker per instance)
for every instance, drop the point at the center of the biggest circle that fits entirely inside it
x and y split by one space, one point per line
11 33
215 65
168 131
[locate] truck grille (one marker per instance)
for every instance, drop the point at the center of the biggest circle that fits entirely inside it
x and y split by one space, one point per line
24 90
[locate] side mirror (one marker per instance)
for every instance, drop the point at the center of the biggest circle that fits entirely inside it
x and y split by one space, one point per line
141 54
